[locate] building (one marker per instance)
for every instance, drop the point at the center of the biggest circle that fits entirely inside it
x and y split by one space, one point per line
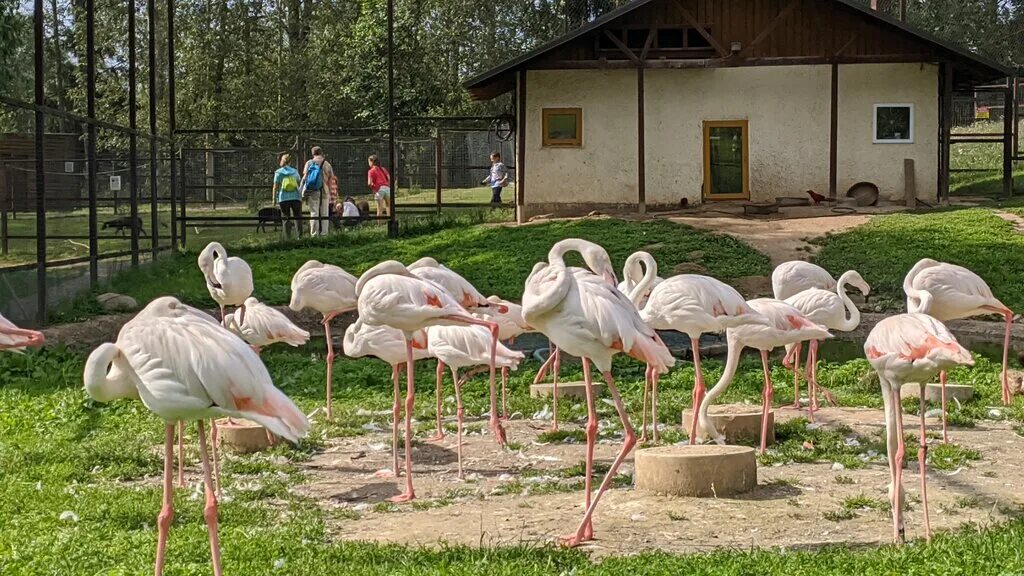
664 100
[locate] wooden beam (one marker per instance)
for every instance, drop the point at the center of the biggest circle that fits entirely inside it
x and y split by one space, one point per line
848 43
641 174
521 146
770 27
833 135
947 125
689 63
692 21
622 47
647 44
1008 122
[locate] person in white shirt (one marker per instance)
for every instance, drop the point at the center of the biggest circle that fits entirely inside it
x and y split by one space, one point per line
350 215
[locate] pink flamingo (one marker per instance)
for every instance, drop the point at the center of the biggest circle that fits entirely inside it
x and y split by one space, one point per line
510 325
828 308
388 344
468 297
17 339
228 279
330 291
908 348
694 305
390 295
793 277
183 365
950 292
262 325
786 325
583 313
638 267
461 347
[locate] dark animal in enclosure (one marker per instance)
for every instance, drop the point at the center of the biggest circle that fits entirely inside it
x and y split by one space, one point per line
270 215
124 223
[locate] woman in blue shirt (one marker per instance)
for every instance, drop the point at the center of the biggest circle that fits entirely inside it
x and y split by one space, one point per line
287 195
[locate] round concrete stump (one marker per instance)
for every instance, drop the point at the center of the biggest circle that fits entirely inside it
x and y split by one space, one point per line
738 422
565 390
933 392
702 470
243 436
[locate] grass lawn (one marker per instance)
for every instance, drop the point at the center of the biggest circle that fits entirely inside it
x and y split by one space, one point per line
480 194
497 259
98 465
886 247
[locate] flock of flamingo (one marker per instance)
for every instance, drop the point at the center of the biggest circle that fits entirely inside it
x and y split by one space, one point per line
184 365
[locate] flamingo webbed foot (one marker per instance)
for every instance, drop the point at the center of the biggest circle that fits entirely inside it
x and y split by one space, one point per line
436 437
405 497
499 432
385 473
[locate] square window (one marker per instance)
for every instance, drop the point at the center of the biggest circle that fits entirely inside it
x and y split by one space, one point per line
670 38
893 124
636 38
562 127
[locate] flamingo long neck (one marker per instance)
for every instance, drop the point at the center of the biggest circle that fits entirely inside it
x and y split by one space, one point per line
96 377
593 255
732 362
851 322
917 300
638 292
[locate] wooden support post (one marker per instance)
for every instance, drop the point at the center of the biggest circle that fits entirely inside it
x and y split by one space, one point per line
947 126
521 147
833 135
438 160
909 183
640 167
1009 106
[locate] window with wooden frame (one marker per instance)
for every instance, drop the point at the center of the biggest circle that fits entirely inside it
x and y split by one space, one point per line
893 124
562 127
726 160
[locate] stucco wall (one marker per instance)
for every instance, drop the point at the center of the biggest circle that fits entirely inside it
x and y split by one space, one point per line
787 109
861 86
604 169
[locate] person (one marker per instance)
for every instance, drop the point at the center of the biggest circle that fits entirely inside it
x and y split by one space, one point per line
286 195
497 179
379 181
350 215
316 176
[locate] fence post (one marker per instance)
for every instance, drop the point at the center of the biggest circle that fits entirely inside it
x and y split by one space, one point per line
3 231
133 136
40 118
438 160
154 207
90 149
172 125
184 203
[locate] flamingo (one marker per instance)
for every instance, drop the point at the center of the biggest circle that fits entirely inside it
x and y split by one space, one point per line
463 346
950 292
693 304
909 348
183 365
787 325
263 325
828 308
583 313
510 325
388 344
390 295
330 291
793 277
17 339
228 279
635 271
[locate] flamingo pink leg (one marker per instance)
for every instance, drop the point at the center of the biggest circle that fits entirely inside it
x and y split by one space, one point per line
898 464
813 379
396 411
210 510
504 386
223 315
438 390
458 417
942 385
922 455
591 431
215 435
586 529
766 404
1007 396
410 405
546 365
554 389
796 376
330 364
698 387
495 423
654 404
181 454
163 520
643 405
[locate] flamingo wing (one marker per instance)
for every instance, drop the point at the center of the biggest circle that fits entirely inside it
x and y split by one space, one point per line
819 306
914 338
266 324
956 287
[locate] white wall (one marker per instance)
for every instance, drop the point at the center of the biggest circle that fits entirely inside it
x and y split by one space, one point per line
861 86
604 169
787 109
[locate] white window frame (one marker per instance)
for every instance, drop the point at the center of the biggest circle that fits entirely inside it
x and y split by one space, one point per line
874 123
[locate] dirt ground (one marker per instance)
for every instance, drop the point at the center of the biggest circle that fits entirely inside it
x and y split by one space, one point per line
788 508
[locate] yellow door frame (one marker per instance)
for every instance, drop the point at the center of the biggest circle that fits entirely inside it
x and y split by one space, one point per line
709 194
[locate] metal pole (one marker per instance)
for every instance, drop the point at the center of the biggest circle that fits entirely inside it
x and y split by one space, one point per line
1008 109
90 147
438 161
40 100
392 222
133 138
172 124
154 216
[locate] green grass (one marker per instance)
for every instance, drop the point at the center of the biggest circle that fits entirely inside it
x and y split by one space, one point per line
497 259
479 194
59 451
886 247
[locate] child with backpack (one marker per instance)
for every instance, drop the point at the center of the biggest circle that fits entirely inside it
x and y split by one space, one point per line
286 194
315 178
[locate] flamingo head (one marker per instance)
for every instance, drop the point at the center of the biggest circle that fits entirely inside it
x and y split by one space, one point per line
209 255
